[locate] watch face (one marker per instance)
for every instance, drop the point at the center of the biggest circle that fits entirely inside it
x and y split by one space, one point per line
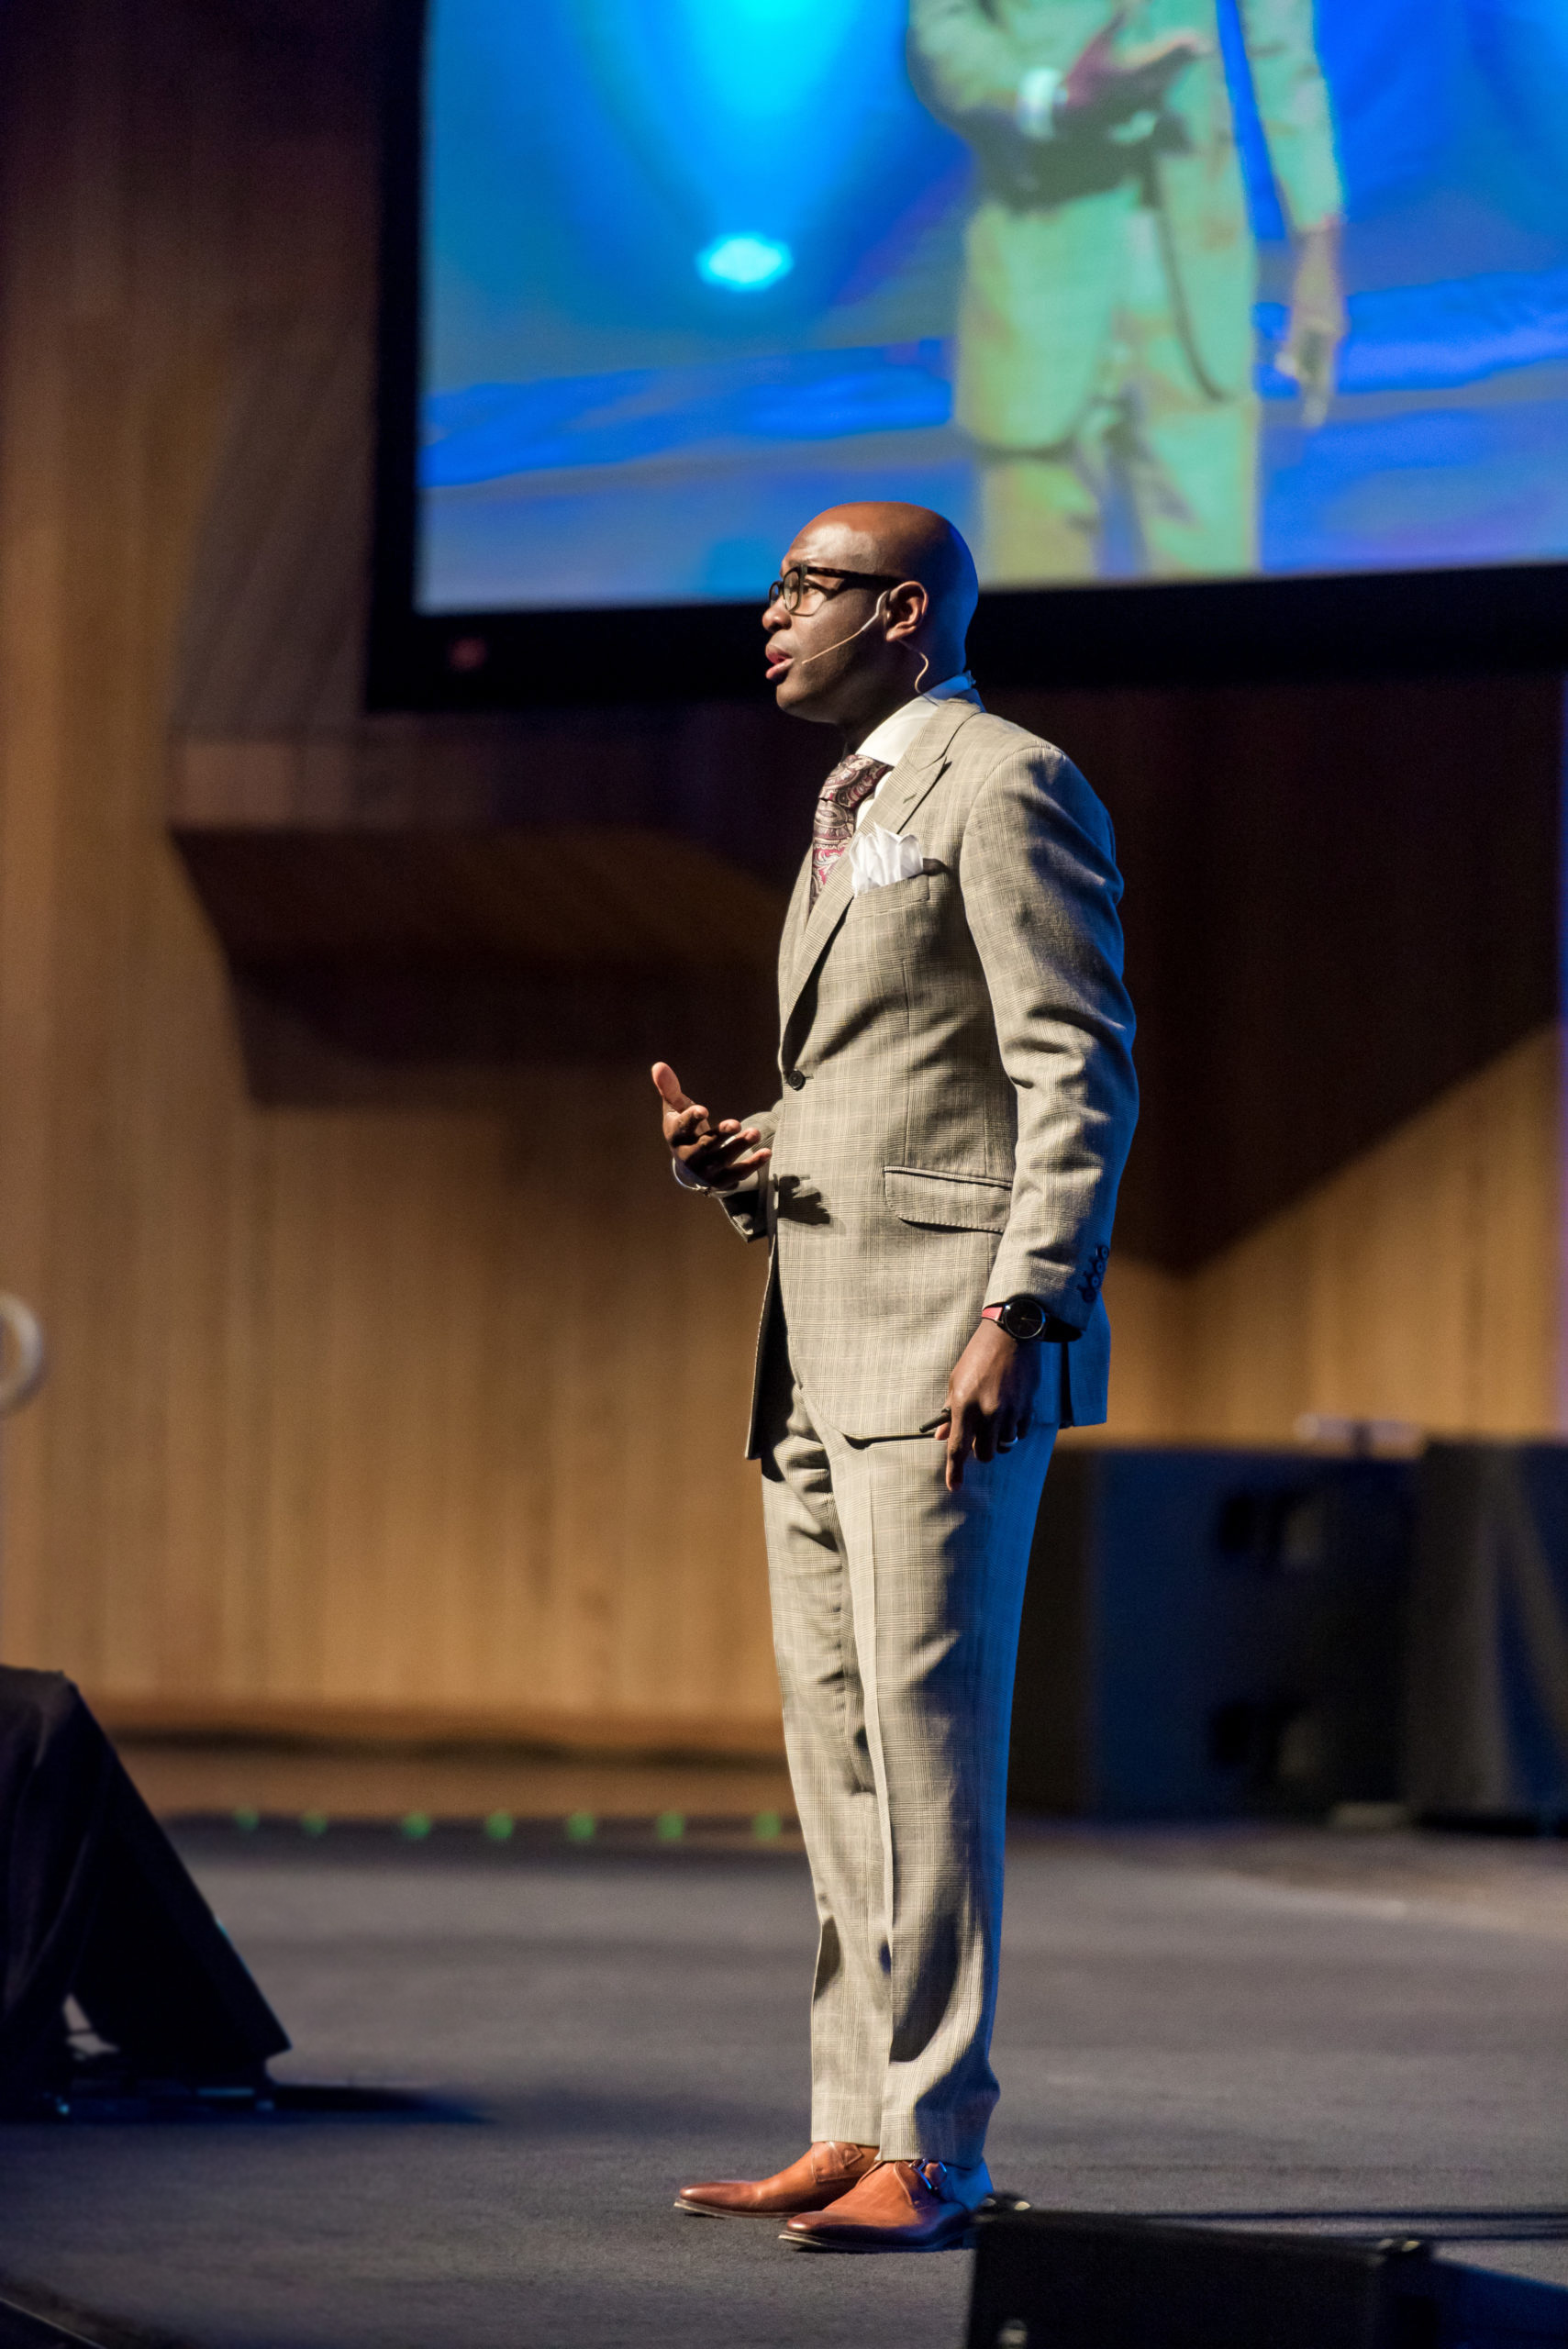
1023 1317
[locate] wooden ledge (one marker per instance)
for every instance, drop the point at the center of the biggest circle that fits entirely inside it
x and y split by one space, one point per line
334 1721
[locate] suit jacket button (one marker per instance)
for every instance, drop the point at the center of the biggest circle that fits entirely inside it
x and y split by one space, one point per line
794 1079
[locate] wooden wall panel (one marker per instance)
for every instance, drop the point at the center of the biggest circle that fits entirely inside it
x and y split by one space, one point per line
1423 1282
1341 899
425 1408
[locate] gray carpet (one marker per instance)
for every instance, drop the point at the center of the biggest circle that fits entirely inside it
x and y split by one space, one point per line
1182 2028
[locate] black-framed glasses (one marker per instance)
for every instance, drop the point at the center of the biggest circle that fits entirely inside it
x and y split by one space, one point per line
801 577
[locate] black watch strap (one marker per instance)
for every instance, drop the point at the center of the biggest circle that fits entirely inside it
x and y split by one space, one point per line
1025 1318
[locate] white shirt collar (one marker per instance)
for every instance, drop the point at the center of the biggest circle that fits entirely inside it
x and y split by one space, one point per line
893 737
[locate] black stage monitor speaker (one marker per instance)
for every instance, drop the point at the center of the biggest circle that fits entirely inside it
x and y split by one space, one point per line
1212 1633
1486 1692
1046 2279
95 1906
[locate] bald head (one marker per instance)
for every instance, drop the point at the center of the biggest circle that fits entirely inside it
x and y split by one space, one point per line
858 649
914 543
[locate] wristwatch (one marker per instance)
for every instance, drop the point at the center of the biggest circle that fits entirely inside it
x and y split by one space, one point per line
1023 1317
1026 1319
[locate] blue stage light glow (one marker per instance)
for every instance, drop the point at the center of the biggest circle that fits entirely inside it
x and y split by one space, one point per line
744 264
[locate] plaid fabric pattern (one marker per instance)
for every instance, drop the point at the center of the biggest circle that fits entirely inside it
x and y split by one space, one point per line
837 804
899 1767
958 1091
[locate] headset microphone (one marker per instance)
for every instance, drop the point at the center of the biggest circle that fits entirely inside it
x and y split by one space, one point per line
844 639
925 657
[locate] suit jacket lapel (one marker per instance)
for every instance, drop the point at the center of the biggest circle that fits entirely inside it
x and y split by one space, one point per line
921 764
794 924
915 773
820 922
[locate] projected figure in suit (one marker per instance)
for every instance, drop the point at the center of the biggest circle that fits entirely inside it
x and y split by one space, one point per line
938 1178
1105 332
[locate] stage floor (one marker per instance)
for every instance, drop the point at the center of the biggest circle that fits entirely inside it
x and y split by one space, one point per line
1284 2024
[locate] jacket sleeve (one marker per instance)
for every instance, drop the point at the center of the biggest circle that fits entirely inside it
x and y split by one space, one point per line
1036 867
960 61
748 1209
1293 106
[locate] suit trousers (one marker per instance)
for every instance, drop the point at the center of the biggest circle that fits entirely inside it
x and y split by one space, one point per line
1187 461
896 1610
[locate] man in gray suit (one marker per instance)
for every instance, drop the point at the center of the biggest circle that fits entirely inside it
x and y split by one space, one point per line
937 1178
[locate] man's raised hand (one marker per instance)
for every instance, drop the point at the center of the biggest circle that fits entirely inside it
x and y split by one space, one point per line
721 1156
1101 90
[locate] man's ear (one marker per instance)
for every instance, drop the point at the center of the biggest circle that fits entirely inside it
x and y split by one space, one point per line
906 606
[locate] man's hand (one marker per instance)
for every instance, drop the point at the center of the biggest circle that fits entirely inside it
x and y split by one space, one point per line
722 1156
1318 322
990 1399
1101 90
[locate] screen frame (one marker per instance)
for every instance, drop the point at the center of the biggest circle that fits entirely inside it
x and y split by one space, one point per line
1302 626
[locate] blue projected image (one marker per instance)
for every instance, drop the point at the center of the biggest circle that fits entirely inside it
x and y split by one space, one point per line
1183 289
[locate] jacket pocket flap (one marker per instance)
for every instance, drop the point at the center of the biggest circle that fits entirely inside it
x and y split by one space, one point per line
893 896
963 1202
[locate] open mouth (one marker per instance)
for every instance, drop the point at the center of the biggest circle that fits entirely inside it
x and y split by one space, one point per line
777 663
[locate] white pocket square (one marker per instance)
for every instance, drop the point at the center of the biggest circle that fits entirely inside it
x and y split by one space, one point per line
878 857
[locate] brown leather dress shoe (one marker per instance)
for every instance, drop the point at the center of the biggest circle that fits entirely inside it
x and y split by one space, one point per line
824 2173
897 2205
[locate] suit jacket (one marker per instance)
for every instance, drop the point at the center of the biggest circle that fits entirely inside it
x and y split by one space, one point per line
958 1093
1046 241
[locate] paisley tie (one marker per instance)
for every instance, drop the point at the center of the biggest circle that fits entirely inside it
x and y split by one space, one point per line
852 781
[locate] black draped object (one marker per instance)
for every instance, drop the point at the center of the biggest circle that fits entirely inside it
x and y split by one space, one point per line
96 1905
